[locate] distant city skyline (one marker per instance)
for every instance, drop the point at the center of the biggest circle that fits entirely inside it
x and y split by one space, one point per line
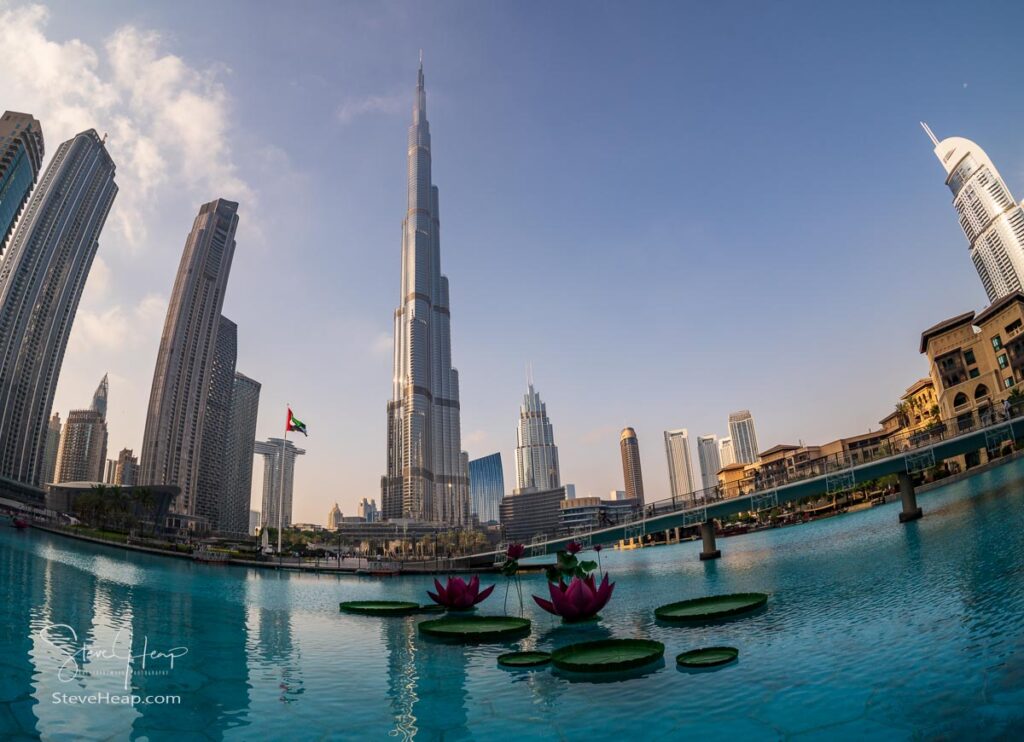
310 232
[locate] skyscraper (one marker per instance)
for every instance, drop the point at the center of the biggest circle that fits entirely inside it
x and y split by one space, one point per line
21 157
989 216
42 277
630 448
744 438
536 452
367 510
82 454
241 437
425 479
178 401
214 478
271 451
710 461
53 429
333 518
486 487
680 466
126 473
726 455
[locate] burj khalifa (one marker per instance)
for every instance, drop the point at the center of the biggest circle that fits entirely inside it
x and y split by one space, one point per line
427 478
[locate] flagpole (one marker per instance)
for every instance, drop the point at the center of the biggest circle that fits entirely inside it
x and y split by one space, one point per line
280 494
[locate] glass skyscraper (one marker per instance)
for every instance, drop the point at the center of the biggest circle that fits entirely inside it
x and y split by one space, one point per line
21 157
486 487
991 219
744 437
536 452
42 277
426 477
680 467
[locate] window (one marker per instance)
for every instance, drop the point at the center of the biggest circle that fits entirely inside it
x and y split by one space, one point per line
997 343
959 399
974 373
1013 327
1008 382
1003 363
969 357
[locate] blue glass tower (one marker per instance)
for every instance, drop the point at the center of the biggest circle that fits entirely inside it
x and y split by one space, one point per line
486 487
21 157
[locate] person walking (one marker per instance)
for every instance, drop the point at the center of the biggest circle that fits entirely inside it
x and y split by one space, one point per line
1006 408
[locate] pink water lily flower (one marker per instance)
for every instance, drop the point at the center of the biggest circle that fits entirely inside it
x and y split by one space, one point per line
515 551
573 547
577 601
457 595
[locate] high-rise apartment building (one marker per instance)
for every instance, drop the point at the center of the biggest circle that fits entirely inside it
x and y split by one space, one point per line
680 466
726 455
126 473
21 158
426 479
991 219
710 461
271 450
183 377
333 518
53 429
82 454
241 440
631 472
42 276
109 472
367 510
536 452
214 477
744 438
486 487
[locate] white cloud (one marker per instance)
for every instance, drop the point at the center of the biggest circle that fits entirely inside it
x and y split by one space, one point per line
117 328
168 123
351 109
383 344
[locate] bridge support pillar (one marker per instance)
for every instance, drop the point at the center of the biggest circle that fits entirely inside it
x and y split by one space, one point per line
910 509
707 532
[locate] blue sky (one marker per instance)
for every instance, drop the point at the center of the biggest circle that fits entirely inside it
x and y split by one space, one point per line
672 210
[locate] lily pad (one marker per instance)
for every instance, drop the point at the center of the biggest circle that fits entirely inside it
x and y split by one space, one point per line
708 657
710 608
431 608
524 659
608 655
476 628
380 607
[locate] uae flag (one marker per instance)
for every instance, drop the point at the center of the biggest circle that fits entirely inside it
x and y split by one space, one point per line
295 423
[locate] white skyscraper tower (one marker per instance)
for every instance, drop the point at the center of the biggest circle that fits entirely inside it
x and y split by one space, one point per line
680 468
992 221
426 478
710 461
726 455
744 438
536 452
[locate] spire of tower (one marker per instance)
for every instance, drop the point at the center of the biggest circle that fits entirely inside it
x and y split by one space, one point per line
99 398
420 108
928 131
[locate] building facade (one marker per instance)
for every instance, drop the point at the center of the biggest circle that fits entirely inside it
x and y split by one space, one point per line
991 219
425 479
21 158
82 453
680 468
214 484
726 455
333 518
710 462
53 429
744 437
178 400
526 515
42 277
536 453
241 441
275 451
367 510
486 487
976 361
126 472
632 473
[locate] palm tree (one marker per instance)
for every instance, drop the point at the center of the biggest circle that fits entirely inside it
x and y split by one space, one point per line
903 414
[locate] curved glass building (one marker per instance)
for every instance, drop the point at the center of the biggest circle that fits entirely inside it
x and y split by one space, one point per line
21 157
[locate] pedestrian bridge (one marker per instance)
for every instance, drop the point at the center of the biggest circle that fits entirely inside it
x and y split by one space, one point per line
904 456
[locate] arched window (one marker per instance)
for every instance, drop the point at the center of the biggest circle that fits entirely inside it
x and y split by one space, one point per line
959 399
981 391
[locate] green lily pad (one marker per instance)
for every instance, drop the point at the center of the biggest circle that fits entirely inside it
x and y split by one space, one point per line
708 657
609 655
431 608
476 628
710 608
524 659
379 607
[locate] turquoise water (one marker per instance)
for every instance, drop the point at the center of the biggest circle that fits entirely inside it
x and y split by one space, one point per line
873 629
